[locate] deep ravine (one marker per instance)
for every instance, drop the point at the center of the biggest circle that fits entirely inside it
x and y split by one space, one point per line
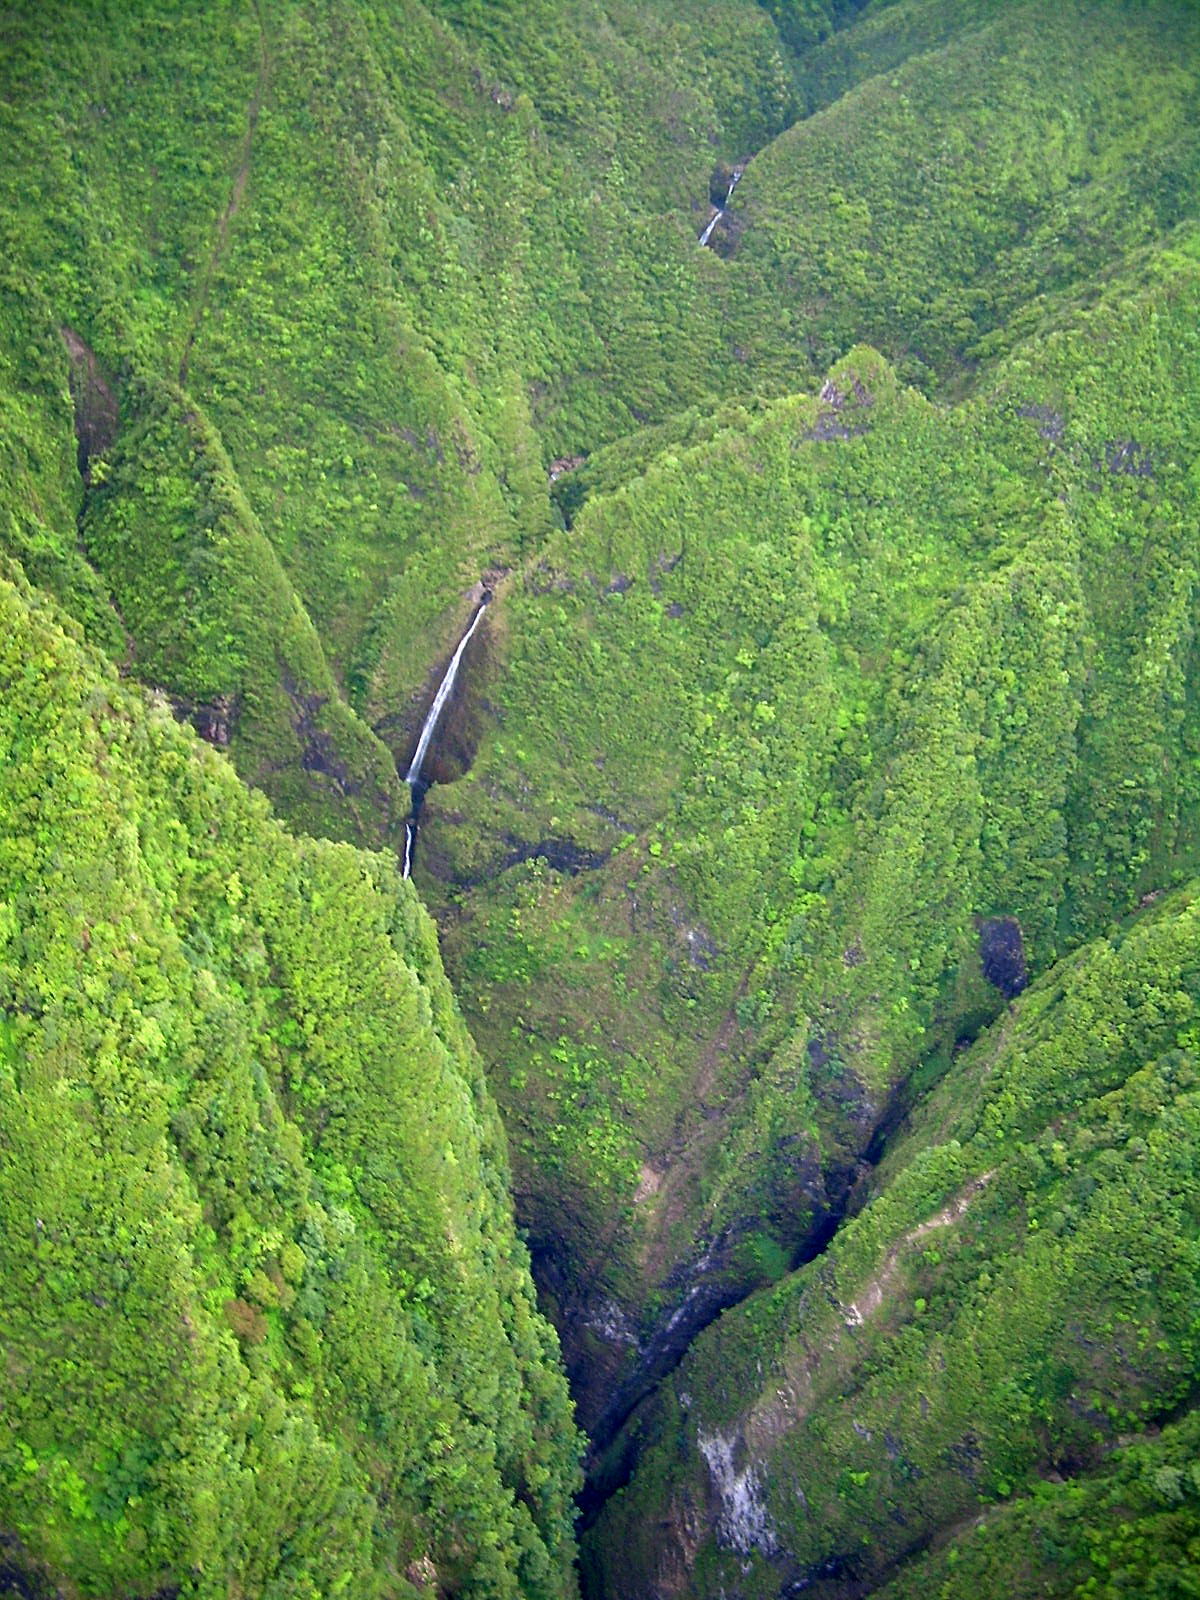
613 1452
614 1440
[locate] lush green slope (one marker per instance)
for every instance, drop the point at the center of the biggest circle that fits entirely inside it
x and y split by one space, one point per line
39 472
793 715
400 258
267 1326
213 620
936 208
1019 1294
1132 1527
869 651
373 264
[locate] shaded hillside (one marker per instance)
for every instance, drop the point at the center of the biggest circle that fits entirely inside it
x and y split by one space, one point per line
939 207
1016 1299
1131 1527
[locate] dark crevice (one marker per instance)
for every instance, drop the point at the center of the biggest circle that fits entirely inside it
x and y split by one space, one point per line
93 397
615 1441
609 1470
562 855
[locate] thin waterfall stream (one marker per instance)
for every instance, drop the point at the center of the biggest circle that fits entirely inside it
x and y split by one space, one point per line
719 211
413 777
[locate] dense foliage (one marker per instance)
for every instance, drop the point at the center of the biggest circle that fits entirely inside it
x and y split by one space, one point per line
1019 1294
914 671
266 1322
840 683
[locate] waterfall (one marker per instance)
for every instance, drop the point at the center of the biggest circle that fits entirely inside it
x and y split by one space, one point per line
719 211
413 777
445 690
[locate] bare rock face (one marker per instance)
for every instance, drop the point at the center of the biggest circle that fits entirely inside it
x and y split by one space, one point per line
94 401
214 721
562 464
1002 952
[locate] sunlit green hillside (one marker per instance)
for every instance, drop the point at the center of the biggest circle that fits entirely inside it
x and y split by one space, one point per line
267 1326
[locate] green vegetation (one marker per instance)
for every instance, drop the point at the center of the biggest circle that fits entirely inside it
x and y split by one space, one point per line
942 207
911 669
267 1323
841 681
1016 1297
213 619
369 259
1131 1528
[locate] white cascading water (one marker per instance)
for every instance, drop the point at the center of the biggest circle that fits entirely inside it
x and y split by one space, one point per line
719 211
445 690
